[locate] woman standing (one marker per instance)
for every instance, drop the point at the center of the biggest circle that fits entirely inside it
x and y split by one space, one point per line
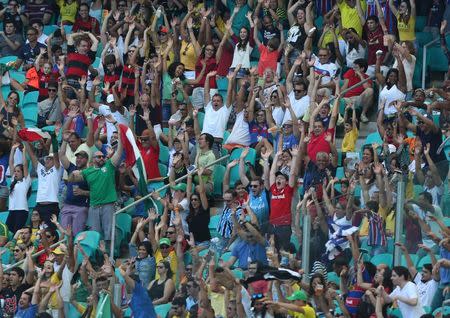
18 201
405 293
145 262
406 19
162 290
10 112
198 217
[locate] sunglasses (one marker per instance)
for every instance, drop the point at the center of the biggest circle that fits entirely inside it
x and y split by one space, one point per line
52 90
100 156
164 247
17 250
257 296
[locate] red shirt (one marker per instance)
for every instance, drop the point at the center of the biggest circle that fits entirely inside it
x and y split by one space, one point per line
318 144
268 59
353 79
91 25
211 65
223 65
280 205
150 157
374 43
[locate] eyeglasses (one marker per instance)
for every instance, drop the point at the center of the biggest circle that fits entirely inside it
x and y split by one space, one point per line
257 296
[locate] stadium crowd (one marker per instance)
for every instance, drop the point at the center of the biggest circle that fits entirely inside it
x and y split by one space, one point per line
234 158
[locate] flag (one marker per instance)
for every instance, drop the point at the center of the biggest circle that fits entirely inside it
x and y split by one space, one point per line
141 304
32 134
104 306
133 158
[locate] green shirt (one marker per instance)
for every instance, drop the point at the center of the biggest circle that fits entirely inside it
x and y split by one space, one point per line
240 19
167 88
204 159
102 183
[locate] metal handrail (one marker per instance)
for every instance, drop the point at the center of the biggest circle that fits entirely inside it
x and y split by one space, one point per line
148 196
424 58
38 253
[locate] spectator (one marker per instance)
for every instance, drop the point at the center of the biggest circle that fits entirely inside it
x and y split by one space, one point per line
10 41
85 22
30 50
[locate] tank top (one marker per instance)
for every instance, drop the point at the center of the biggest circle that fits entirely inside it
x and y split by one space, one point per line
157 290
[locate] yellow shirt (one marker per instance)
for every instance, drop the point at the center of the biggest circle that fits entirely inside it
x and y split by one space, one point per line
188 56
349 16
406 31
53 303
309 313
68 11
171 258
218 303
349 140
328 37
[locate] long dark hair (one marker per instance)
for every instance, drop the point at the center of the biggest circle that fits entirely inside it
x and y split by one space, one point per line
169 270
242 44
171 70
389 84
14 181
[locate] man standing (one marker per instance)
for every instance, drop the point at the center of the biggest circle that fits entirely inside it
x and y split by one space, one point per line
85 22
14 291
101 179
49 177
30 51
76 203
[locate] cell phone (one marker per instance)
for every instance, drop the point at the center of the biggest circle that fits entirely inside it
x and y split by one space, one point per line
191 168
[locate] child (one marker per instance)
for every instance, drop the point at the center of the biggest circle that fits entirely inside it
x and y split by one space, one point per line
351 130
268 53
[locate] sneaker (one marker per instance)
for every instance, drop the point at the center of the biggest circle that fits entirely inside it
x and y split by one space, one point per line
364 118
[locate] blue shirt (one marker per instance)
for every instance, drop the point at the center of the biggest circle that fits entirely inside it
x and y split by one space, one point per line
29 312
145 267
288 141
141 304
78 200
4 162
260 206
225 226
246 252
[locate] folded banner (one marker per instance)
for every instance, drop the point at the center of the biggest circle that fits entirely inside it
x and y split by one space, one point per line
133 158
32 134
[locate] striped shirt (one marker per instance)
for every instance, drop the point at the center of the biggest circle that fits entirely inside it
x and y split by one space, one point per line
36 12
225 226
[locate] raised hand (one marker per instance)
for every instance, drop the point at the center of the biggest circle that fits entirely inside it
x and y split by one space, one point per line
232 163
244 153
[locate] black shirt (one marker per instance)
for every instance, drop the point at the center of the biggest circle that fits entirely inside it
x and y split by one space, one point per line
12 297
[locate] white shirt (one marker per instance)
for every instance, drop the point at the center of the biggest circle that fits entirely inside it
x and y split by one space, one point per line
215 121
105 110
18 198
300 106
435 228
408 291
351 56
183 213
65 288
48 183
278 115
390 96
409 71
436 193
242 56
240 133
426 290
329 70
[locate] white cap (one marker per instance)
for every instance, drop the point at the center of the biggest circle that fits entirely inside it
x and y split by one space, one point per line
392 148
110 98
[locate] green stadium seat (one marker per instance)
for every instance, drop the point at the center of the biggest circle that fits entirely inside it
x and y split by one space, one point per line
394 313
213 222
162 310
7 59
4 216
382 259
219 171
414 259
235 154
163 154
49 29
163 170
424 37
17 75
226 134
436 60
201 118
30 116
373 138
30 99
420 23
425 260
97 62
222 83
89 244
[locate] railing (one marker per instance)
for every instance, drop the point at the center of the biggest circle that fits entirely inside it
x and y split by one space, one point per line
39 253
424 59
148 196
